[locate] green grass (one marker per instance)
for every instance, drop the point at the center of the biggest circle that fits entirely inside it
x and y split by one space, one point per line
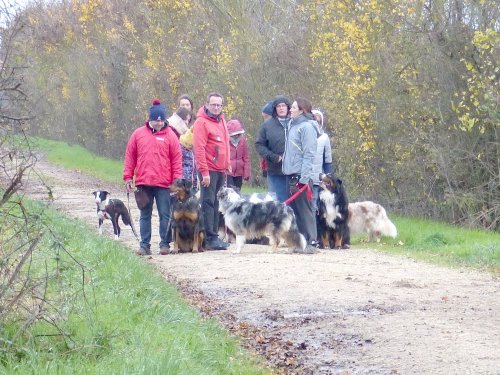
121 317
432 241
78 158
442 243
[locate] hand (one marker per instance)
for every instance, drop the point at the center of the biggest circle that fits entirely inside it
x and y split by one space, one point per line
129 185
229 169
206 181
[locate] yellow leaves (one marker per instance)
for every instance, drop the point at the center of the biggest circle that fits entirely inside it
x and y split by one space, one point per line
128 25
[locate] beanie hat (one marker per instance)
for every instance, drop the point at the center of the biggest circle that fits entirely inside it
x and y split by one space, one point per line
157 111
268 108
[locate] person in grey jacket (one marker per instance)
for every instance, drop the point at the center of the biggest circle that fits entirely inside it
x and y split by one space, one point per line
298 161
270 145
323 159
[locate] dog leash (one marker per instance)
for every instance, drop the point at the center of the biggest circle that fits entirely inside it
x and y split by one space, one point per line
131 220
298 192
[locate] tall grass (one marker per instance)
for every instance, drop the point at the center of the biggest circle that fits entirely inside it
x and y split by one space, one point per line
119 316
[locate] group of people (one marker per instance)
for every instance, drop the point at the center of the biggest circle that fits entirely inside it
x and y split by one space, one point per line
207 151
295 151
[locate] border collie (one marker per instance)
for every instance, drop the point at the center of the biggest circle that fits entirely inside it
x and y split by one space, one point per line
252 220
370 218
112 209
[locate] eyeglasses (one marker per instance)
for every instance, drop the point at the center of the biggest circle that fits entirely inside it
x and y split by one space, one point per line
215 105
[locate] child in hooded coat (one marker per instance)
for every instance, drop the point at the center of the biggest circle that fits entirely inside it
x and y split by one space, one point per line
240 155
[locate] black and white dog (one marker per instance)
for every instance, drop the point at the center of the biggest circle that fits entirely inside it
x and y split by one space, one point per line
252 220
112 209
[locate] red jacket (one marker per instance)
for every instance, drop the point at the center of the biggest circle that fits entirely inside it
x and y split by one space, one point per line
154 158
211 143
240 156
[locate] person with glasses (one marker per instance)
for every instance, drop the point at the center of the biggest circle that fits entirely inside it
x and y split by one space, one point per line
212 156
270 145
154 156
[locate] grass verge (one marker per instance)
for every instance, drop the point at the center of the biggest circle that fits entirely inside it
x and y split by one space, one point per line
119 316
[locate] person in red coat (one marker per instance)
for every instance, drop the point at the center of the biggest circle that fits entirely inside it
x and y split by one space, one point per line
211 153
240 155
154 156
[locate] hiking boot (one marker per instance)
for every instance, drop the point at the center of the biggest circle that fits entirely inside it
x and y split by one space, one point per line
215 244
143 251
310 249
164 250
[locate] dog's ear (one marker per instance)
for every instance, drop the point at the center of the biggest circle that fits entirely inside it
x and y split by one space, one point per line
94 193
339 181
188 184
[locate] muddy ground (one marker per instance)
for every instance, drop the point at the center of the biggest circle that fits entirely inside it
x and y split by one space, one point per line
353 311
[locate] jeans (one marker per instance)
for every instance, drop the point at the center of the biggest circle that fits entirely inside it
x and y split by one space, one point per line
278 185
210 203
162 198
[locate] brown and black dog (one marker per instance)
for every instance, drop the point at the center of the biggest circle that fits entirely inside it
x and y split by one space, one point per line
333 214
188 230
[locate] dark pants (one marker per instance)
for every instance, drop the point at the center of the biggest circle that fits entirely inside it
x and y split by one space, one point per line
301 206
236 181
210 203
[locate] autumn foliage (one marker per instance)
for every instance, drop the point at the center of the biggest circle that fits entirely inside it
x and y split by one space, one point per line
410 88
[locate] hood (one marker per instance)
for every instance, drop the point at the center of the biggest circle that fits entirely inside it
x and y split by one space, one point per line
317 112
203 112
234 127
280 99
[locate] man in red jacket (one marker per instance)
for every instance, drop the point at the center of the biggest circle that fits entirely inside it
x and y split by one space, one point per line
154 155
211 152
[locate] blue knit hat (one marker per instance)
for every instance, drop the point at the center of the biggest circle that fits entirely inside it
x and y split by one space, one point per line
268 108
157 111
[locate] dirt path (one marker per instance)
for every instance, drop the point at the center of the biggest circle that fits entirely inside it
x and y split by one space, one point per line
336 312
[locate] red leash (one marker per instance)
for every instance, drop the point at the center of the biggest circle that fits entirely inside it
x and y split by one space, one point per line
298 192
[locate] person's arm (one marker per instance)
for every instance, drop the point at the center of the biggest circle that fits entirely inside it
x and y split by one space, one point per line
246 161
309 147
130 162
262 147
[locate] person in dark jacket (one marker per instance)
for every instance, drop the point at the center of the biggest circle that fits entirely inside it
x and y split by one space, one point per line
270 145
240 155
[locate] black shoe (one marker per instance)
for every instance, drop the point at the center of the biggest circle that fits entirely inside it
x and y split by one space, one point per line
222 243
214 244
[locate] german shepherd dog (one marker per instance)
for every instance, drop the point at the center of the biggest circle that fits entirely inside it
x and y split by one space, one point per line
111 209
333 214
188 230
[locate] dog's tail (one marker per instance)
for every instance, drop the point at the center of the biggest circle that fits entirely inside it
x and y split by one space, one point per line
387 226
293 237
127 221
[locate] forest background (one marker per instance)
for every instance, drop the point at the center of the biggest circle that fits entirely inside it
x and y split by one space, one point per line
410 88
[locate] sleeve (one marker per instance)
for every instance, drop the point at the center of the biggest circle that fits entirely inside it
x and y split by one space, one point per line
327 156
199 146
130 161
310 145
246 161
261 145
175 157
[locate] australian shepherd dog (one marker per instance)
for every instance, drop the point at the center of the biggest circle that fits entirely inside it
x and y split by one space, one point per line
370 218
252 220
187 222
333 230
111 209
